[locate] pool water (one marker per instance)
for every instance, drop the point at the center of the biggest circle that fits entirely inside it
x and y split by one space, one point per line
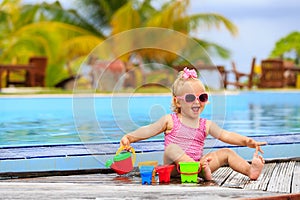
65 120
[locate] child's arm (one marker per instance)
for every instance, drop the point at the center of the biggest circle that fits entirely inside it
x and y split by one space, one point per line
232 138
146 132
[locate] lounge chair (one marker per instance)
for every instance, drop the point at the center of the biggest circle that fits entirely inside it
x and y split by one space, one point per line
272 74
38 71
33 73
239 75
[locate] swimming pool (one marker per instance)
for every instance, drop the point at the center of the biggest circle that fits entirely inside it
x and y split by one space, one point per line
69 119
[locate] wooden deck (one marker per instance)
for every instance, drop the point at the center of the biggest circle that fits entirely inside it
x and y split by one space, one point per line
283 177
73 172
280 179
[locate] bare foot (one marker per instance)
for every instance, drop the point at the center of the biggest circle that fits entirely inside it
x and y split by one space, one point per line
256 166
205 171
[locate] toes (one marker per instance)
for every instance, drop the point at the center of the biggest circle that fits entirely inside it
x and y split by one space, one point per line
262 159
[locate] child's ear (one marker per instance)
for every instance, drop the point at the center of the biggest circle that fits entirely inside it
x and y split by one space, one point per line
177 103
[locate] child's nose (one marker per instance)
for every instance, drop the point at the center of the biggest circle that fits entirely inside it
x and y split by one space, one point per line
198 100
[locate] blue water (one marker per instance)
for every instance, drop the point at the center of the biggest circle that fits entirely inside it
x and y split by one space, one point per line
63 120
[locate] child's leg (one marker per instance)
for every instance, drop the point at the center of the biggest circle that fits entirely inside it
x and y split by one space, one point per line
237 163
174 154
205 172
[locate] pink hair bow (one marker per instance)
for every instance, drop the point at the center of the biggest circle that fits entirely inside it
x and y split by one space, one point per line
189 73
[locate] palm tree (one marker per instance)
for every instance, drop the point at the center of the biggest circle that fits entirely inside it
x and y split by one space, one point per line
171 15
288 47
66 36
45 29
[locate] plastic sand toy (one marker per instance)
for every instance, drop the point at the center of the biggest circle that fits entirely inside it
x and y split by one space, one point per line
188 171
122 162
150 163
146 174
164 173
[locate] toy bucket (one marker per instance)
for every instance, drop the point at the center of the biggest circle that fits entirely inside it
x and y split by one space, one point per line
188 171
164 173
149 163
146 174
122 162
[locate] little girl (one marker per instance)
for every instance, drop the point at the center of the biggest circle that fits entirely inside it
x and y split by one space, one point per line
185 132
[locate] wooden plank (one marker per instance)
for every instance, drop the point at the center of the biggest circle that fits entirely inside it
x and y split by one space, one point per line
274 178
281 178
49 191
220 175
296 178
262 182
287 177
236 180
107 179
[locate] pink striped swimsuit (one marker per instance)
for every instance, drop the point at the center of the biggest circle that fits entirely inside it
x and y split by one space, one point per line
191 140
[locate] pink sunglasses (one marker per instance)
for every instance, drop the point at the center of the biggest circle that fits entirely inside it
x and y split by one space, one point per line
190 98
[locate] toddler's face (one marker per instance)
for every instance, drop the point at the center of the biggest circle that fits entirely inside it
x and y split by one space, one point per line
191 109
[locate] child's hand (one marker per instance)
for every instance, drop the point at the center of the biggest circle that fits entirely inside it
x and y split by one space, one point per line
253 144
125 142
258 148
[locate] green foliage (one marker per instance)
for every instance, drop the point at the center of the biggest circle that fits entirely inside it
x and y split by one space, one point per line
98 13
288 47
37 30
172 15
66 35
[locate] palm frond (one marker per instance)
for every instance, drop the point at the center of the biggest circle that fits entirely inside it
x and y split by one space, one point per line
125 18
285 45
208 20
169 13
79 46
213 48
54 12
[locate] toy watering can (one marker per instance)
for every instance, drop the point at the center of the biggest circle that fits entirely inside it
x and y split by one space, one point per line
122 162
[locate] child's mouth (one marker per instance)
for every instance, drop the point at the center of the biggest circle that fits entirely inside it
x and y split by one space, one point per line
196 109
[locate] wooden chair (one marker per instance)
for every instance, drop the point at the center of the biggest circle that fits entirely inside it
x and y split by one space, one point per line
223 74
238 75
290 76
272 74
38 71
16 77
35 76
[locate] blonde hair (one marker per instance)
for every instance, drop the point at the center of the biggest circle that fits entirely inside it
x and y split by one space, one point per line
177 85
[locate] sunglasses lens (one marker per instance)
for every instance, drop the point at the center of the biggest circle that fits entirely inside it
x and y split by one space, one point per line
190 98
203 97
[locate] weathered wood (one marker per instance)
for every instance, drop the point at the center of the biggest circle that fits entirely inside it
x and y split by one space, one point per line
263 180
296 179
19 190
281 178
276 178
221 175
236 180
